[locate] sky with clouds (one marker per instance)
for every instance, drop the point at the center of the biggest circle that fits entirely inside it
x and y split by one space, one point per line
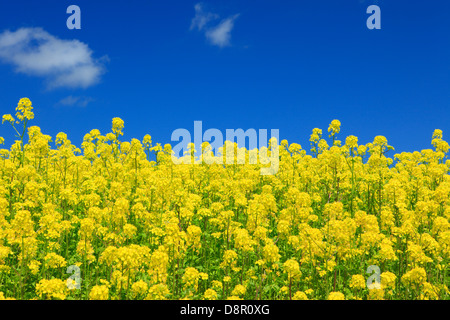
287 65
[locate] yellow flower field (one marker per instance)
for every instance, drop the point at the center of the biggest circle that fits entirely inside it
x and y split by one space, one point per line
130 228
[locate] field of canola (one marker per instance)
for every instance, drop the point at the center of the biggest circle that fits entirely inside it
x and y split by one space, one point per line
129 228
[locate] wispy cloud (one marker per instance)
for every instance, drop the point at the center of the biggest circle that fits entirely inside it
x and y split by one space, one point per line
62 63
75 101
219 34
201 17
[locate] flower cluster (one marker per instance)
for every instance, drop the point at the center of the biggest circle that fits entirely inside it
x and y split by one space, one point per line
138 226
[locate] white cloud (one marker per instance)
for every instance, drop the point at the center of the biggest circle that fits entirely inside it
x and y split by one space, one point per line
201 18
63 63
75 101
219 34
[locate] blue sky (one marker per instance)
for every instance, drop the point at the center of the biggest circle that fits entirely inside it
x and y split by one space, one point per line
287 65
